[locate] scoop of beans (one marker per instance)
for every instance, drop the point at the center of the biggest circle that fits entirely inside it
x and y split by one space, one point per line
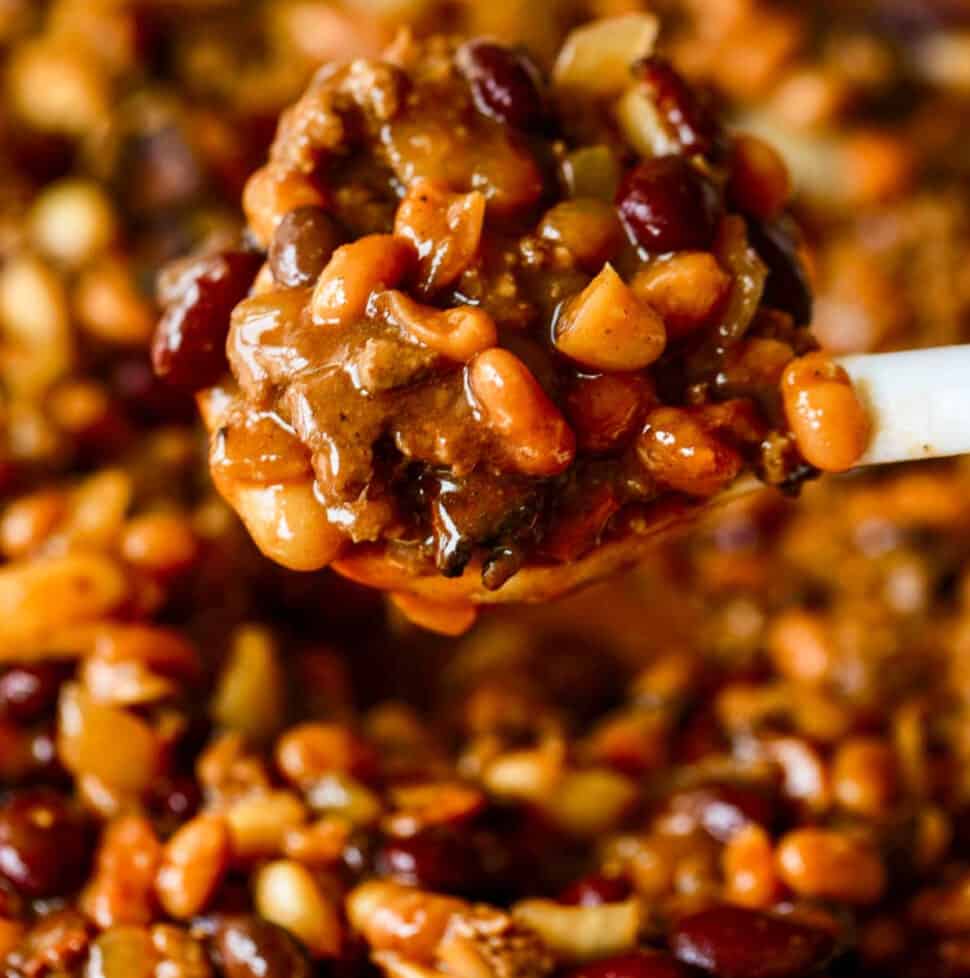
474 277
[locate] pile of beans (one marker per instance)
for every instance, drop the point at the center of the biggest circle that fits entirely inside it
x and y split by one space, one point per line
502 321
746 760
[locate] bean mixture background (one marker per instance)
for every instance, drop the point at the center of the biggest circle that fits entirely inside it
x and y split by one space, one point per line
747 759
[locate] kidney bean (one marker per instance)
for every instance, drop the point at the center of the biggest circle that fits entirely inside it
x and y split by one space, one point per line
667 205
45 766
189 346
733 942
145 397
45 845
723 809
302 245
787 287
690 121
248 947
906 19
595 890
503 83
444 861
637 964
27 692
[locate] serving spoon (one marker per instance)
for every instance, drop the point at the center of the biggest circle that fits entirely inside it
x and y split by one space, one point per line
918 402
918 405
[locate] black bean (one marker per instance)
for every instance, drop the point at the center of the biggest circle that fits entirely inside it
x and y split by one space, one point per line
787 286
302 245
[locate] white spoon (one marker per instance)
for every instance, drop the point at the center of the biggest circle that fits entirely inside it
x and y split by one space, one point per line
918 402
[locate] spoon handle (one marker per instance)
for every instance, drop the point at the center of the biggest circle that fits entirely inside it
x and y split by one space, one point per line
918 400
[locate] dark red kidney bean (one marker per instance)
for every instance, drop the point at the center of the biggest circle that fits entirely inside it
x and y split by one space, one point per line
503 83
302 245
637 964
723 809
45 844
667 205
688 119
732 942
246 946
787 286
199 295
433 860
476 861
147 399
28 692
595 890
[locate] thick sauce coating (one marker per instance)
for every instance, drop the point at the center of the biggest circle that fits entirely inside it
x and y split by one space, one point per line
490 330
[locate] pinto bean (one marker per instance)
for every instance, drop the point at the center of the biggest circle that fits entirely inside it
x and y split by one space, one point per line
354 272
520 413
